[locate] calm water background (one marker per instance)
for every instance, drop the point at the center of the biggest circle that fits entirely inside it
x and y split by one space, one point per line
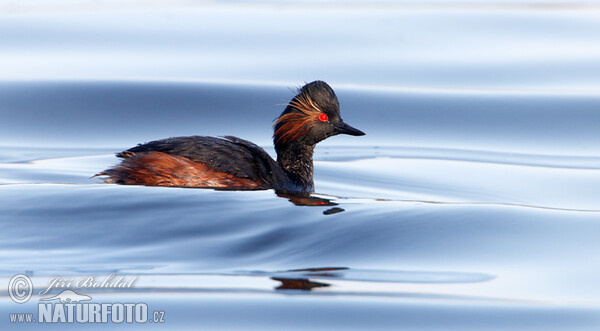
471 202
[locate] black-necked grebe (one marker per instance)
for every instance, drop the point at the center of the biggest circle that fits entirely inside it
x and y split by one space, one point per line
233 163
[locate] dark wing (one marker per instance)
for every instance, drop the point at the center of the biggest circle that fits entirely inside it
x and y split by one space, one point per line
232 155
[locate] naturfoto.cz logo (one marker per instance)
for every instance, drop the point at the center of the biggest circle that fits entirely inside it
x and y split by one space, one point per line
71 307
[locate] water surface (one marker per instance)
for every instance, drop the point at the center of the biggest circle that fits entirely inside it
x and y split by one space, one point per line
471 202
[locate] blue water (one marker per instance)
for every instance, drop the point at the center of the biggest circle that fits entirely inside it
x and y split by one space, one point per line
471 203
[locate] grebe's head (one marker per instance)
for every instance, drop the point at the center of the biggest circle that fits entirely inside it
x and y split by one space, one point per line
311 116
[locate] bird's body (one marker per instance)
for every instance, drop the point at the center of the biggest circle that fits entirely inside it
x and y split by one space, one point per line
237 164
199 161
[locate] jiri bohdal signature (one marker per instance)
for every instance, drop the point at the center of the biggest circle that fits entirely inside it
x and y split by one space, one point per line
90 282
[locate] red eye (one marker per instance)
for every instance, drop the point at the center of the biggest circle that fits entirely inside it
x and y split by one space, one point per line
323 118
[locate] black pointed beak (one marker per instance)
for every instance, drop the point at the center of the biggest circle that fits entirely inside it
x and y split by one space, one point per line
344 128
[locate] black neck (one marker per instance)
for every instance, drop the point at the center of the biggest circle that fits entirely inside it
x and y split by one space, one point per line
297 161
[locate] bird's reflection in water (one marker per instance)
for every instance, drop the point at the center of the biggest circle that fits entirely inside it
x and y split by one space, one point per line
297 284
291 281
305 199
